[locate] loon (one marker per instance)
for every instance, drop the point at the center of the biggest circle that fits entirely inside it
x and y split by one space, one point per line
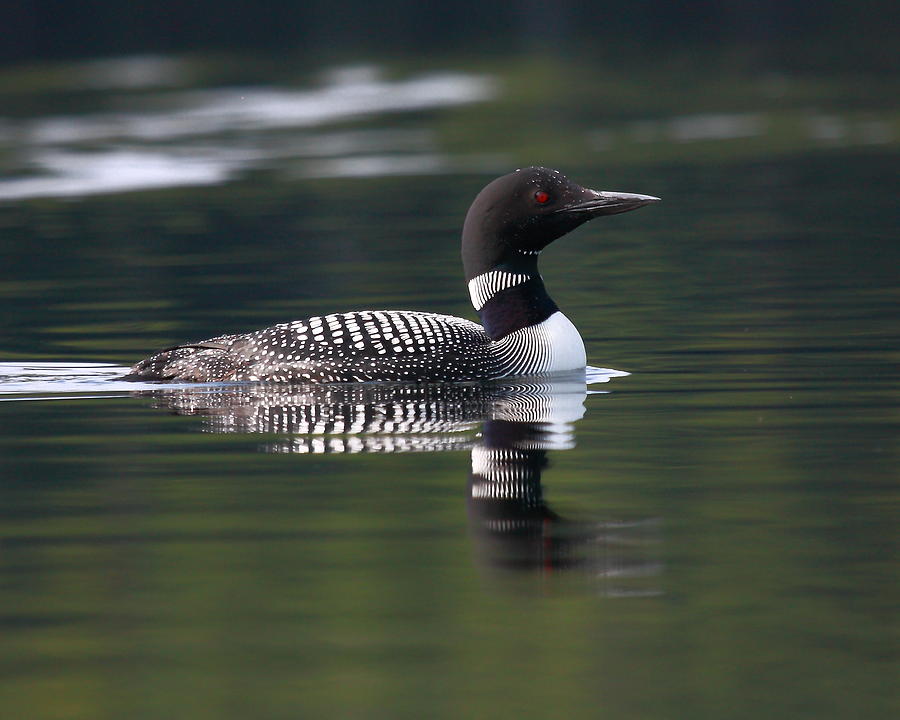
523 332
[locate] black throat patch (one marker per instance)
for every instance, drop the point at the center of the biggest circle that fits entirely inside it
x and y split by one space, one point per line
517 307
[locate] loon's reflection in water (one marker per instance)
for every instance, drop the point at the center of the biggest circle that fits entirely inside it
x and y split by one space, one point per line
514 529
519 423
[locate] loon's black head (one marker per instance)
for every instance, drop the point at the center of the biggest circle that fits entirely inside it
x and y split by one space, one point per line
518 215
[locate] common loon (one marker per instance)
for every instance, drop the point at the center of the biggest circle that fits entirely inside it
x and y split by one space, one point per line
522 333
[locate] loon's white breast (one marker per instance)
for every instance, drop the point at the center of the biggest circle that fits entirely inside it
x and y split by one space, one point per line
550 346
566 346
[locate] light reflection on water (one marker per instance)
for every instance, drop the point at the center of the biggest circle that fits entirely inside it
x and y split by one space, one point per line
130 72
196 113
174 146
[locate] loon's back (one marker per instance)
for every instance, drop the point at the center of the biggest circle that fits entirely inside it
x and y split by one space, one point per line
523 333
360 346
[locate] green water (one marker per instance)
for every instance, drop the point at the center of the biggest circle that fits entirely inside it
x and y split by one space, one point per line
716 537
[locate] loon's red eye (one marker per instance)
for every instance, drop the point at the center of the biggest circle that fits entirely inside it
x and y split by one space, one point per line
541 197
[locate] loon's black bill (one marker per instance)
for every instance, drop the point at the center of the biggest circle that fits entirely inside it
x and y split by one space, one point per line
609 203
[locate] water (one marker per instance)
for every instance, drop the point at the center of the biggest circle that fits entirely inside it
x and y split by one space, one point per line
713 535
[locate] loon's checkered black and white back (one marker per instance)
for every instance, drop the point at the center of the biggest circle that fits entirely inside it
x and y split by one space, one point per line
522 332
384 345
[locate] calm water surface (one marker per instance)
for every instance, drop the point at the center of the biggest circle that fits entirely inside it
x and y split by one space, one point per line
713 535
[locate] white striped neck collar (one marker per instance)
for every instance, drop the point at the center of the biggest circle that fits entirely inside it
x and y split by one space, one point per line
485 286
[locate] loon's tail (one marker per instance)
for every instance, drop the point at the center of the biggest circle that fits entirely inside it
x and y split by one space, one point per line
208 361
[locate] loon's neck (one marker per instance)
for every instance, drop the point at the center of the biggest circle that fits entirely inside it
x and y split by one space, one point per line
511 296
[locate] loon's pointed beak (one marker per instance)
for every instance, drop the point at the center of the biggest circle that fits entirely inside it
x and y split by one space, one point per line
608 203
